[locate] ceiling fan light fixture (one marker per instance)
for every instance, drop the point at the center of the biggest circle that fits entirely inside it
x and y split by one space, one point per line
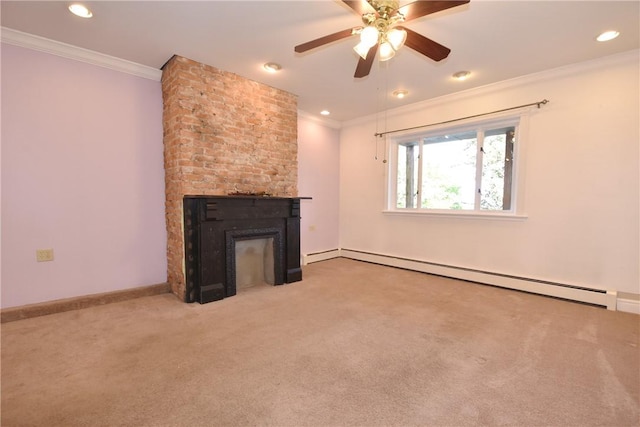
386 51
362 50
396 37
369 36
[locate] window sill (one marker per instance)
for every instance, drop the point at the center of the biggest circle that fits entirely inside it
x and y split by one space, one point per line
508 216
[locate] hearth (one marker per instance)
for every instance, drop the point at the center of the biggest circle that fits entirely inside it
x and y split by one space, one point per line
215 225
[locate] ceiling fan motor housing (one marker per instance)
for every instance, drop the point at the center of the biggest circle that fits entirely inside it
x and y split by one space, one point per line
384 7
386 15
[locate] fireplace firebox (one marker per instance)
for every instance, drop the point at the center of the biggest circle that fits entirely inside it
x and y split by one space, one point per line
213 225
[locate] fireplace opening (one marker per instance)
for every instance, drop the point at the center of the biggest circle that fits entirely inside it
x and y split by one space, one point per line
254 263
262 255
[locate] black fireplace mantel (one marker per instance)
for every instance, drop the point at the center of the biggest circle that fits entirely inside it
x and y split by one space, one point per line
212 225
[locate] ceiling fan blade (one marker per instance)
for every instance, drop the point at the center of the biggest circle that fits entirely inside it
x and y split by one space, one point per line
359 6
425 7
364 65
324 40
426 46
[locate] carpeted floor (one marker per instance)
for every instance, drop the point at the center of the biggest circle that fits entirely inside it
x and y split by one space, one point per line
353 344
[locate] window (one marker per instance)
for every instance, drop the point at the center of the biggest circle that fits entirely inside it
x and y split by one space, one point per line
456 169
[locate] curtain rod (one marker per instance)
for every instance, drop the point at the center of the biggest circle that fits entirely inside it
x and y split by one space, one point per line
538 104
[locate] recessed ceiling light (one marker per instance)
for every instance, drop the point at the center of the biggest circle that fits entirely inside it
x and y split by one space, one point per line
325 112
608 35
400 93
80 10
462 75
272 67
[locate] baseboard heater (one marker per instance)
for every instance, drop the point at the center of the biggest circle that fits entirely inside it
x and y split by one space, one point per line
320 256
600 297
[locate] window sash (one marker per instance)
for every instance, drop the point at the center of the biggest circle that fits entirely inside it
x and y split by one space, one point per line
482 130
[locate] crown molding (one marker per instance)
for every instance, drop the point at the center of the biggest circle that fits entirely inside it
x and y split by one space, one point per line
42 44
631 57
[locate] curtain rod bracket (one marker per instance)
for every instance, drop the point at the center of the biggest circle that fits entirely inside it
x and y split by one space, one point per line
543 102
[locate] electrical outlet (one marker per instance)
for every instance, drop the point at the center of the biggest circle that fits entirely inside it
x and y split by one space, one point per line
44 255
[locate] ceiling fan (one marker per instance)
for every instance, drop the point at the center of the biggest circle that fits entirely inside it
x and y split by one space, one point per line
382 31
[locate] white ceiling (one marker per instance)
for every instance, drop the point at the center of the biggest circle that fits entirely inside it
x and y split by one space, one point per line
495 40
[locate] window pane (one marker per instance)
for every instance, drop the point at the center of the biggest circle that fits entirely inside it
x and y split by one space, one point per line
407 188
449 171
497 170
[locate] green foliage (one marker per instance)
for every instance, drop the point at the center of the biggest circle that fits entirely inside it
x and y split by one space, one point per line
449 171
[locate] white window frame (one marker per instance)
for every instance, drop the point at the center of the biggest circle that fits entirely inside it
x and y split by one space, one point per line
520 121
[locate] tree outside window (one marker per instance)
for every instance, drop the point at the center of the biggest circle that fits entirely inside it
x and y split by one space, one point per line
457 170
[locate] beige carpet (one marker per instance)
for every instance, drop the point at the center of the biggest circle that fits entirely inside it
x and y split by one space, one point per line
352 344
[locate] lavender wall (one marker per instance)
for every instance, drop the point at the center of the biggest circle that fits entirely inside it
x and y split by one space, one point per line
319 178
82 173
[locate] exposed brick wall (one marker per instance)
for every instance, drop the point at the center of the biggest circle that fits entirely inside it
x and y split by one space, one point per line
222 134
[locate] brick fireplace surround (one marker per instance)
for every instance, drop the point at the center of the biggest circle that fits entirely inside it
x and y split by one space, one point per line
223 134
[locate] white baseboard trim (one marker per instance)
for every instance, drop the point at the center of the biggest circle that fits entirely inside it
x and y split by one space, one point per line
628 305
320 256
602 297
